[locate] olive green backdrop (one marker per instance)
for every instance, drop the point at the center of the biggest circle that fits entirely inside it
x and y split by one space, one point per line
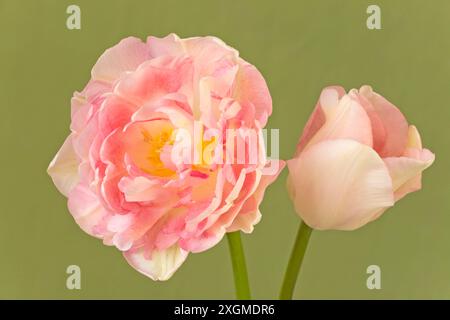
300 47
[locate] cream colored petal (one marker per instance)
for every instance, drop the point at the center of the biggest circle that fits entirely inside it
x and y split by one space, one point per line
414 140
339 184
64 168
162 264
405 171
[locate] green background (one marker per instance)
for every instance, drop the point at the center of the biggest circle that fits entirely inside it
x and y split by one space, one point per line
300 47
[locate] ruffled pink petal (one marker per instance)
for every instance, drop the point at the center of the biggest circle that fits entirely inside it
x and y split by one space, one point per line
249 214
339 184
251 88
82 141
127 55
86 209
142 189
149 82
139 189
115 113
171 45
207 51
141 223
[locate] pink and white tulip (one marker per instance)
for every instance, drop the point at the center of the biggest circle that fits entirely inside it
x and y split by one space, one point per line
356 157
117 167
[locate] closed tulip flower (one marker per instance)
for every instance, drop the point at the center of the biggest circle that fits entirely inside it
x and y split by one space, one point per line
356 157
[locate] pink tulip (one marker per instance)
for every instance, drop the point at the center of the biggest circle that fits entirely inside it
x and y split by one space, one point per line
356 157
118 167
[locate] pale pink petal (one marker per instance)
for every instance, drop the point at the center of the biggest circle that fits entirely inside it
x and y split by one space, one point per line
86 209
249 214
406 171
246 222
250 87
86 104
339 184
226 214
329 96
149 82
144 226
206 51
346 120
83 140
144 189
204 241
64 168
170 45
391 127
161 265
127 55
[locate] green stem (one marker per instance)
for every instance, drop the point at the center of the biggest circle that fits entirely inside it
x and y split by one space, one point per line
239 267
295 261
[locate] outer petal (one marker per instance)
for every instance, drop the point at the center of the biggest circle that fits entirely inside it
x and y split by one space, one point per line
206 51
249 214
64 168
161 265
127 55
406 171
86 209
170 45
250 87
339 184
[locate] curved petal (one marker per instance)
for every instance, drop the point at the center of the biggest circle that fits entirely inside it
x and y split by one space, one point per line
170 45
127 55
249 214
390 126
64 168
86 209
406 171
208 50
150 82
250 87
346 120
414 140
161 265
339 184
329 96
115 113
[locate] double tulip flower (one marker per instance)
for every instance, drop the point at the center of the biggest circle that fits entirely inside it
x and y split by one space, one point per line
356 157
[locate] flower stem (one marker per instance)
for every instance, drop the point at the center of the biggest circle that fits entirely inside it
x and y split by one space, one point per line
239 266
295 261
